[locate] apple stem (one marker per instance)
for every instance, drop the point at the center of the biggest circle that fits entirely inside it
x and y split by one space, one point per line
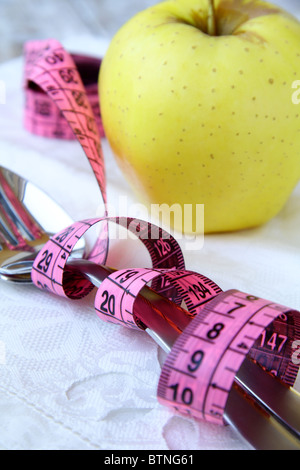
211 20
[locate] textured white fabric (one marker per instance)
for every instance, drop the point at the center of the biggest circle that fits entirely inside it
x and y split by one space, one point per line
70 381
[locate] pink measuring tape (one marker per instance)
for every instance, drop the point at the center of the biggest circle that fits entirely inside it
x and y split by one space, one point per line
223 327
43 117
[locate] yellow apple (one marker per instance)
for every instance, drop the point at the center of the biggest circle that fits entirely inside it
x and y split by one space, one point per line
196 100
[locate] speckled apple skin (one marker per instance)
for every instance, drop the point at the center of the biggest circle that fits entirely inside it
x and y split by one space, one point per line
200 119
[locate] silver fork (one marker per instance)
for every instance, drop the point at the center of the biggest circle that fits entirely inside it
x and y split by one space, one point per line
23 227
264 411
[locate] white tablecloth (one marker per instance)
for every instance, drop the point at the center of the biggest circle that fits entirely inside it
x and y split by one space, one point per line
71 381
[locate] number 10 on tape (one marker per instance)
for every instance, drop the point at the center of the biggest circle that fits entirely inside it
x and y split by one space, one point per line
199 371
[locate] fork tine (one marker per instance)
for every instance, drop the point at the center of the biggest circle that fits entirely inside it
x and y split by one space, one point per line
13 239
20 221
7 235
17 259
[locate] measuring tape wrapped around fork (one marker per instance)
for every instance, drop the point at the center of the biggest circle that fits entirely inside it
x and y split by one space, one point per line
224 327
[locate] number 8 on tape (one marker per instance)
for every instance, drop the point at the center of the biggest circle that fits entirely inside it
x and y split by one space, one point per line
199 371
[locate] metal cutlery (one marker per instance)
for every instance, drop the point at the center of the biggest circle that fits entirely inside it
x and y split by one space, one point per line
262 409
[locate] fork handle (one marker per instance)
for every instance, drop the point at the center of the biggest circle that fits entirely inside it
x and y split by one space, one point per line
258 427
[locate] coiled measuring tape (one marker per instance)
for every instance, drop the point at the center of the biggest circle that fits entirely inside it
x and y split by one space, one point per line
199 372
43 116
223 327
